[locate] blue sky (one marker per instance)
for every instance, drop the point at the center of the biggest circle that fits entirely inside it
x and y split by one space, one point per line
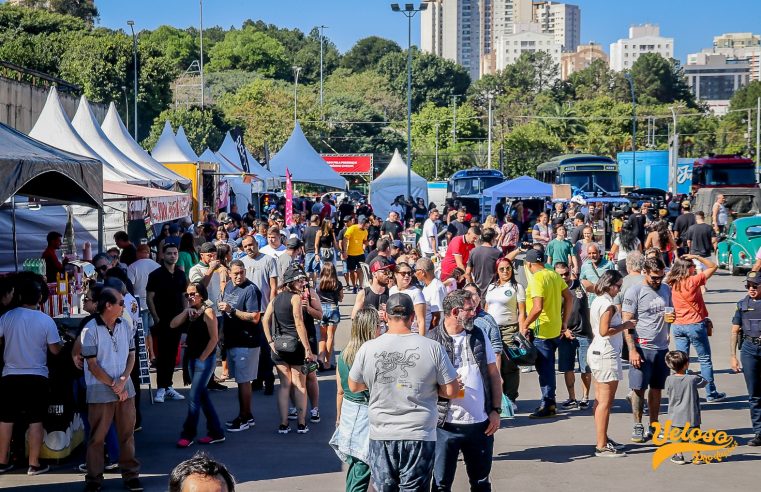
692 23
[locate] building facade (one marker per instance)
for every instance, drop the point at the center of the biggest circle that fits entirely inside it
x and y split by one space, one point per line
584 55
527 38
713 78
451 29
645 38
737 47
560 19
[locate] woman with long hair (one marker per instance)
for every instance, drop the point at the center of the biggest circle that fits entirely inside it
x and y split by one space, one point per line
330 292
188 254
326 240
660 237
351 440
284 322
541 232
200 323
505 300
625 243
582 245
604 357
692 324
490 223
509 235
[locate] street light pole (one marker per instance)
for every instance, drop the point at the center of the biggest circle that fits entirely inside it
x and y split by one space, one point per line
201 64
436 153
322 37
131 25
296 71
409 12
126 104
674 164
490 97
634 128
454 117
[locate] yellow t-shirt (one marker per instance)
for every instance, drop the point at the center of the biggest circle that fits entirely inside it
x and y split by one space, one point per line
356 237
549 286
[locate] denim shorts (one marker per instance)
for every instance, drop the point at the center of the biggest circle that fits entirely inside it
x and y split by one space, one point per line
401 465
243 363
569 351
330 314
652 372
311 263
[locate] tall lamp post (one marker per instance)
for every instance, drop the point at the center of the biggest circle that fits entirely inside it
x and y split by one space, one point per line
322 37
490 97
131 25
409 11
126 104
296 71
634 128
201 64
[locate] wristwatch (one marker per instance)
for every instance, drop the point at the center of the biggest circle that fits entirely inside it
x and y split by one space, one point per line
497 409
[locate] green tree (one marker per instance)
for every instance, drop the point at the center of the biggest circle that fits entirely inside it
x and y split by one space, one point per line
434 79
527 146
562 122
227 81
598 80
370 87
98 62
37 21
659 80
251 50
308 58
84 9
367 52
175 44
203 127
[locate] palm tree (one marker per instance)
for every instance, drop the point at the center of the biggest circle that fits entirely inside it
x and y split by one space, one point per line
562 122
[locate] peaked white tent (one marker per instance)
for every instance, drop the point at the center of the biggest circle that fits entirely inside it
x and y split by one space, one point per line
87 126
241 189
184 143
117 133
229 153
168 151
393 182
304 163
53 127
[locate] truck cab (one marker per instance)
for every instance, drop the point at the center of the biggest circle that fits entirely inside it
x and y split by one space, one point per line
724 171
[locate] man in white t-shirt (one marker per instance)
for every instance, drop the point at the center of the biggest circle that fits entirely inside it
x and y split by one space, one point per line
275 246
433 291
404 285
428 239
468 422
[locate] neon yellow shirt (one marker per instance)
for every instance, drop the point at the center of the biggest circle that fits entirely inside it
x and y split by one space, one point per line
549 286
356 237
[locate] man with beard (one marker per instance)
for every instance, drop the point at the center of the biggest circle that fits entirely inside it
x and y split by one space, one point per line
376 294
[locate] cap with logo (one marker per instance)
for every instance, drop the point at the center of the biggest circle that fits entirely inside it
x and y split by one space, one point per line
753 278
534 256
380 264
293 273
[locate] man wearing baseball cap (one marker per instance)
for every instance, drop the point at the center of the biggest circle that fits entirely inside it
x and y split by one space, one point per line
293 248
353 245
405 374
376 294
549 304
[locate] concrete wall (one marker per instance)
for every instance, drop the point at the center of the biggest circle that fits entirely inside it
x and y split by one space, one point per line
21 104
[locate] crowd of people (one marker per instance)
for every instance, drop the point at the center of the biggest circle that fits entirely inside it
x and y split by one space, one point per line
450 314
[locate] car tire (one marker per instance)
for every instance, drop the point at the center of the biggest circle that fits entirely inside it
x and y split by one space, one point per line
734 270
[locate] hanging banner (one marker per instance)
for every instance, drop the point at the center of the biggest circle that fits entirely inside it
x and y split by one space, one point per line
237 135
223 195
350 164
288 198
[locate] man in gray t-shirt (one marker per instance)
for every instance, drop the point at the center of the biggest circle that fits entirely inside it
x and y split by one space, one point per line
261 269
405 373
646 303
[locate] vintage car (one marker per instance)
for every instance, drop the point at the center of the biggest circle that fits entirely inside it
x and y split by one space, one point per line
737 252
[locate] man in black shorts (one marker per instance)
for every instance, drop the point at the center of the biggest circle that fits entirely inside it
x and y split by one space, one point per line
28 334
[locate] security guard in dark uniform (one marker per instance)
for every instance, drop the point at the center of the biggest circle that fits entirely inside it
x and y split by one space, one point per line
746 331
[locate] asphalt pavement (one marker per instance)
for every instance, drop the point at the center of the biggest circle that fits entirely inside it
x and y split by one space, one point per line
528 454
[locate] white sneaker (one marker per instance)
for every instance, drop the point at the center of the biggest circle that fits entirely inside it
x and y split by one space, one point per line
172 394
160 394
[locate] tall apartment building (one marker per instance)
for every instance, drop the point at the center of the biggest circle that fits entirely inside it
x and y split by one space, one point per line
714 78
451 29
526 38
645 38
580 59
561 19
738 47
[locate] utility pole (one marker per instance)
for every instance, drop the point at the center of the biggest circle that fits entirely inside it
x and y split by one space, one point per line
436 153
131 25
758 134
454 118
629 78
201 65
322 37
674 153
296 71
490 97
749 130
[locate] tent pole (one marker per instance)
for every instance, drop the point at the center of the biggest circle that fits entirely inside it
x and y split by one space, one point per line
13 230
101 232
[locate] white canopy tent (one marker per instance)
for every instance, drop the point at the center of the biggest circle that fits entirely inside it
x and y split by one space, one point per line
184 144
304 163
168 151
393 182
117 133
53 127
229 153
87 126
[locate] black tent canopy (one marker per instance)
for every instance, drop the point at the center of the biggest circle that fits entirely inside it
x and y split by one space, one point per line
31 168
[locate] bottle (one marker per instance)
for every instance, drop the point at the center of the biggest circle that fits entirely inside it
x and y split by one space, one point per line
66 311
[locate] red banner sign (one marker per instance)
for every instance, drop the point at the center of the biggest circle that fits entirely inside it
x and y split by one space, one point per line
350 164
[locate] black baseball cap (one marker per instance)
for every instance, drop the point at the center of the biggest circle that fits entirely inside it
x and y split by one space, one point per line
293 243
534 256
400 305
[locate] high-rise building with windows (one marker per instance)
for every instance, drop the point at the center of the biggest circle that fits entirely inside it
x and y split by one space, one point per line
738 47
645 38
560 19
452 30
714 78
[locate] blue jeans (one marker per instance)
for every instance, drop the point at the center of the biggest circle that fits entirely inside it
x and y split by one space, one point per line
476 449
199 400
695 334
402 466
545 367
750 358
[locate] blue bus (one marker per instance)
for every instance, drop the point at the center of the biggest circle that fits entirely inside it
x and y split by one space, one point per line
468 185
588 175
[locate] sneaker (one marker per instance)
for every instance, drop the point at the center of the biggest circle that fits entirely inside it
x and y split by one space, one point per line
302 429
37 470
283 429
544 412
110 466
6 468
527 369
138 428
314 415
133 485
160 394
211 440
616 445
678 459
184 443
651 432
216 386
756 441
238 425
584 404
569 404
251 422
354 290
716 397
609 452
293 413
172 394
638 434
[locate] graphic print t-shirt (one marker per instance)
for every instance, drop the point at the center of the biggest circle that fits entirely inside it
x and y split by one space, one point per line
403 373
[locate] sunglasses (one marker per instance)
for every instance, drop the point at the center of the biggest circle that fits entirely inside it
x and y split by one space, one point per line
406 273
656 277
504 269
103 268
751 286
188 295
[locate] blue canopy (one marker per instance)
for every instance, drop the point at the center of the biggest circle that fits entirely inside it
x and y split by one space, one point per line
523 187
